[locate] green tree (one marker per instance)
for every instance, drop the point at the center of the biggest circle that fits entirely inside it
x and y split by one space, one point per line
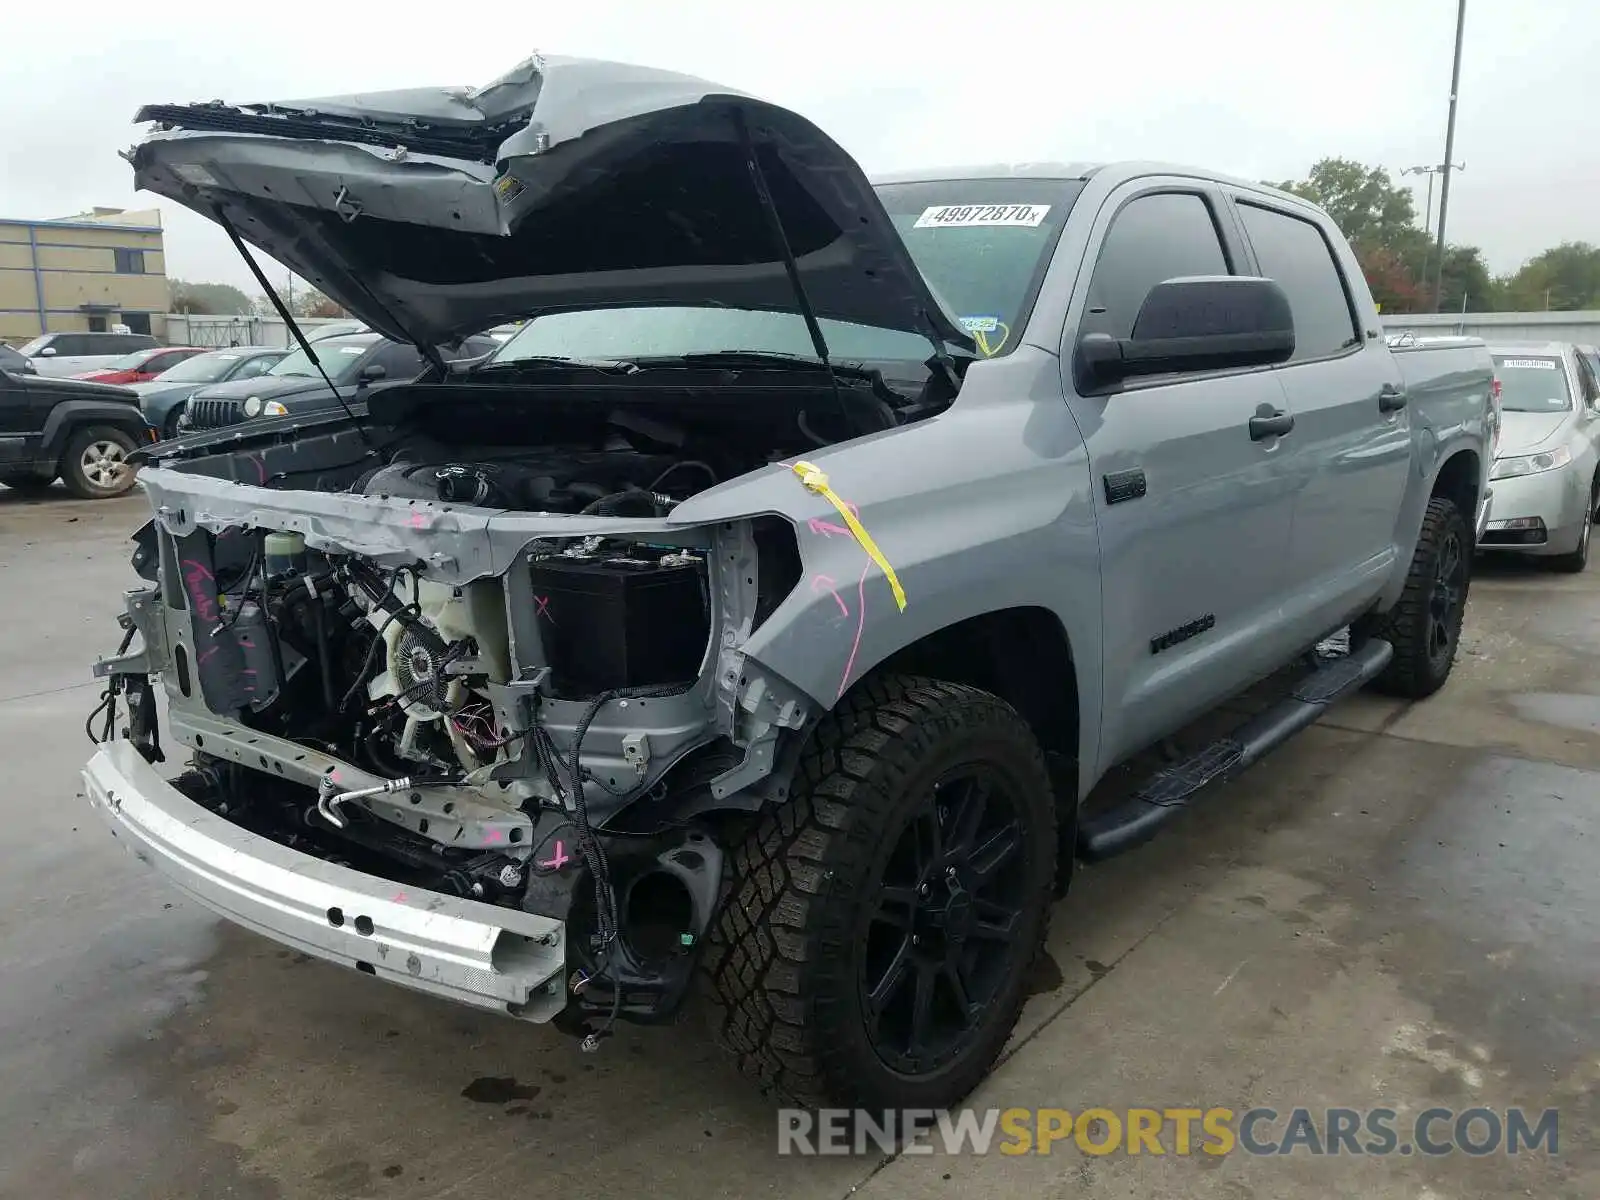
1563 278
1466 278
209 298
1363 201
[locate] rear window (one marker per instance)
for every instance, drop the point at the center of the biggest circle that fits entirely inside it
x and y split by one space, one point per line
983 246
1532 383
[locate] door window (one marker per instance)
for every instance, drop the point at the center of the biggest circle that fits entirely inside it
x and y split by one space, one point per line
398 361
1153 238
1295 253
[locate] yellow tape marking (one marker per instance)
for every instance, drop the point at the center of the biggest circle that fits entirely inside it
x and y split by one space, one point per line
816 480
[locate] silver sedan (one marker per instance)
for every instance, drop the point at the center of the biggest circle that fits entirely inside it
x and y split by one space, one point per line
1546 473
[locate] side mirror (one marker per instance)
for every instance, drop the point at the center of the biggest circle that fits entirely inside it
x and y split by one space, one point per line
47 352
1205 323
371 373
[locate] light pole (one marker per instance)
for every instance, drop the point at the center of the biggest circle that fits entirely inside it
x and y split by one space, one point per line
1430 172
1449 154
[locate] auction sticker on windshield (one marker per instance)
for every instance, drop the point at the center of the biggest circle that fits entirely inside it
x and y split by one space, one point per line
1537 364
957 216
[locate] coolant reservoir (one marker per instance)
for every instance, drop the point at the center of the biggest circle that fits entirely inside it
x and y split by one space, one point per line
285 552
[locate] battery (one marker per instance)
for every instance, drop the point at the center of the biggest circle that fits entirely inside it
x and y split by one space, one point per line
620 623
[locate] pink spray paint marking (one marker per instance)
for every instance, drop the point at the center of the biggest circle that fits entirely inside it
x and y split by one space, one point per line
861 622
826 583
558 859
206 655
491 835
418 520
261 468
542 608
197 577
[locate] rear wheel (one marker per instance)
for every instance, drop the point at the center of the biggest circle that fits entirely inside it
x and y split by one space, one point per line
95 465
875 946
1425 626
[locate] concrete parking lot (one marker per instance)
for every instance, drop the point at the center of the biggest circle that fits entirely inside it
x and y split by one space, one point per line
1401 908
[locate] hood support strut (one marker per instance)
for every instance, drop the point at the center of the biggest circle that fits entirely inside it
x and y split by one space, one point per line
288 318
791 267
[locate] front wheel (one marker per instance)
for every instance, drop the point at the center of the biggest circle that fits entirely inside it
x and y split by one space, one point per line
95 465
882 923
1578 560
1425 626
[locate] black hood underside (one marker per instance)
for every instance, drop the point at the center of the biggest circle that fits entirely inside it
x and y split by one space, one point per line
566 184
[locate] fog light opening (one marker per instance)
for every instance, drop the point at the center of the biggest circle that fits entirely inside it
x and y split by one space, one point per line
658 917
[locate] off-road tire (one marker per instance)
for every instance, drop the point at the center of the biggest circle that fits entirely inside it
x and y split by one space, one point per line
781 973
1414 673
74 469
1578 560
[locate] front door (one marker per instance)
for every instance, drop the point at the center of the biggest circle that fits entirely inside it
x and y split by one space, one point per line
1194 506
1352 433
16 422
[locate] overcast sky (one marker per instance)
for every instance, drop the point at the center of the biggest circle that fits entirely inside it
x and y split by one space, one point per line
1260 90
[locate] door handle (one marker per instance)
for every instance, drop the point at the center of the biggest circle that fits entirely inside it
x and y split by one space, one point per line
1390 398
1270 422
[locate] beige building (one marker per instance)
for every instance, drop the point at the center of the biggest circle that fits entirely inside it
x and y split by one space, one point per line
91 272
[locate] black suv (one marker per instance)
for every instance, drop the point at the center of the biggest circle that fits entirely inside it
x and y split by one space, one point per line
68 428
294 385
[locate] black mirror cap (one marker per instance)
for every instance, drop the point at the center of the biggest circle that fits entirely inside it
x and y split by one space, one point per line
372 371
1204 323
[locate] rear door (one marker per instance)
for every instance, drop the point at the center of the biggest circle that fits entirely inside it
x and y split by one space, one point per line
1351 449
1194 512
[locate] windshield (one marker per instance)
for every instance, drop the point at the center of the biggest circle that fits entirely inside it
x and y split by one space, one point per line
339 358
982 244
29 349
128 362
1534 384
202 368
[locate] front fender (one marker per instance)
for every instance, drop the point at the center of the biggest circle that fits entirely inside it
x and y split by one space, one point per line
986 507
71 415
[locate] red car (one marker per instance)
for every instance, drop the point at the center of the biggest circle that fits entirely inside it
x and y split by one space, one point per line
142 365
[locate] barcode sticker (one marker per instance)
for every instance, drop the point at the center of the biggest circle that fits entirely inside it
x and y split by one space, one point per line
1536 364
962 216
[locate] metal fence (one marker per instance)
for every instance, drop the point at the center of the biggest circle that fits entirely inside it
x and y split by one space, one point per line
1580 327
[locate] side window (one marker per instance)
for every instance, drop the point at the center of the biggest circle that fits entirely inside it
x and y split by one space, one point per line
1153 238
399 362
1296 254
73 344
253 367
1589 375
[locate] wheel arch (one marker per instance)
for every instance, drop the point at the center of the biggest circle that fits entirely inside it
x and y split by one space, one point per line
68 417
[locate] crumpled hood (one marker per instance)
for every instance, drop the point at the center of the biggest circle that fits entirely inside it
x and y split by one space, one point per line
566 183
1524 432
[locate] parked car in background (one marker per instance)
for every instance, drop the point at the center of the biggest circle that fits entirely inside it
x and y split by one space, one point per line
294 385
1547 467
59 354
141 366
12 360
162 399
79 432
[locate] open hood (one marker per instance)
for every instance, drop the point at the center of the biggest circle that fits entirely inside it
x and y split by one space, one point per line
565 184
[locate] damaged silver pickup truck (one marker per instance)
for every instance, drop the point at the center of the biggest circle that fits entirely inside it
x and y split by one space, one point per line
763 611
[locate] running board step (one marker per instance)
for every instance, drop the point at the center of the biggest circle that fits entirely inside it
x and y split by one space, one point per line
1172 789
